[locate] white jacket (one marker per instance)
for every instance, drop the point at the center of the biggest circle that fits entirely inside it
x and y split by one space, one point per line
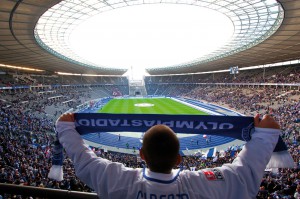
239 180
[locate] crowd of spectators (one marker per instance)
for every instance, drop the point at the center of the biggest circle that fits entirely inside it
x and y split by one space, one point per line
284 105
11 79
26 133
282 74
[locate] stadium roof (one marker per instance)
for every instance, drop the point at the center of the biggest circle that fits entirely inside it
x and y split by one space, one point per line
18 45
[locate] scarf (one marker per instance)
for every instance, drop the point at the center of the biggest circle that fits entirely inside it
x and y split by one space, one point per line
238 127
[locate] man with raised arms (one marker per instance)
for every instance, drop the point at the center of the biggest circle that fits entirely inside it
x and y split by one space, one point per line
160 150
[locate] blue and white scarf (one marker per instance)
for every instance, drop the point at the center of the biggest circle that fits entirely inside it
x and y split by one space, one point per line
238 127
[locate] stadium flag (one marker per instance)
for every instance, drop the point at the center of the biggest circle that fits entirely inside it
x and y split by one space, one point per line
233 153
211 152
215 159
238 127
215 152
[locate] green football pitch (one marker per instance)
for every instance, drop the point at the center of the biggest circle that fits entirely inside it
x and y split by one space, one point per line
148 106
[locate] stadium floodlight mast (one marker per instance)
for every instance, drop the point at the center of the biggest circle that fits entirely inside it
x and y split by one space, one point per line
248 21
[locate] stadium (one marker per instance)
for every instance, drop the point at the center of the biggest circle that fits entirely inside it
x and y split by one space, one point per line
43 74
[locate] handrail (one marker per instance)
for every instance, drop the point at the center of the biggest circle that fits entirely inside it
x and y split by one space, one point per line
43 192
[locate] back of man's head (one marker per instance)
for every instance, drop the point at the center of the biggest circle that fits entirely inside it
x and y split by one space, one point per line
160 149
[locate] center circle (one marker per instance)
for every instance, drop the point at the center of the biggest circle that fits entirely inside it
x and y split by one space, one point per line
143 105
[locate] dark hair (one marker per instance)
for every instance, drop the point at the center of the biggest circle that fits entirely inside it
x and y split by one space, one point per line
160 148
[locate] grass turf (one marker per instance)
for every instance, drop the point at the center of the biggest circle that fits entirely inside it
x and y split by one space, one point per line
161 106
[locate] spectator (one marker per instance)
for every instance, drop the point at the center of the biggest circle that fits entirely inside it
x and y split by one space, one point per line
297 193
161 152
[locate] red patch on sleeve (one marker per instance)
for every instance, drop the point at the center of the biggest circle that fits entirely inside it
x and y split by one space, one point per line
210 175
213 174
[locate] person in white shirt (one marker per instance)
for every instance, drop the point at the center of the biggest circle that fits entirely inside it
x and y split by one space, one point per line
297 192
160 150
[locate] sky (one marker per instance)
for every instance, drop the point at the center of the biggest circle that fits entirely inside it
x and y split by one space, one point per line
149 36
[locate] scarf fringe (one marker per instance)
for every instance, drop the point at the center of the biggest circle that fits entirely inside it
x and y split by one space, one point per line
281 159
56 172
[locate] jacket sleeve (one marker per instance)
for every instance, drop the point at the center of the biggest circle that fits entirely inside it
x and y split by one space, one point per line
248 167
241 178
100 174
